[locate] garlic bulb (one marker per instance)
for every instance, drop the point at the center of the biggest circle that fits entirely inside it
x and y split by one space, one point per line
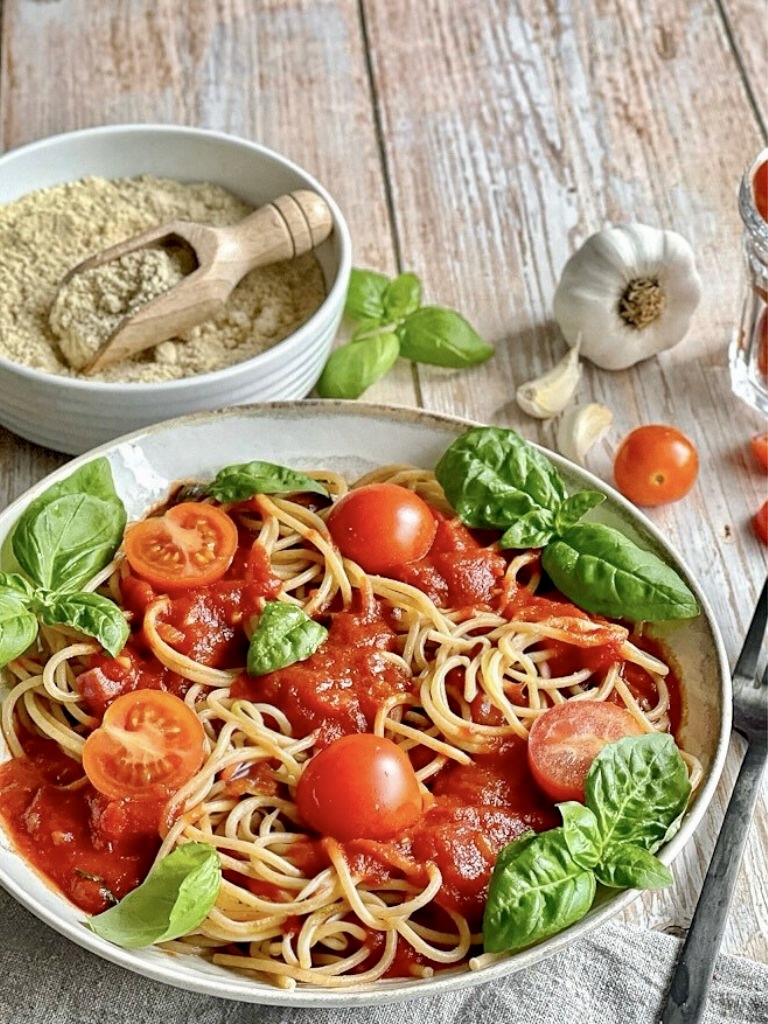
581 427
630 292
549 394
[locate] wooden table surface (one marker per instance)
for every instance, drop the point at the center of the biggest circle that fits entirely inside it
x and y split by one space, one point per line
477 143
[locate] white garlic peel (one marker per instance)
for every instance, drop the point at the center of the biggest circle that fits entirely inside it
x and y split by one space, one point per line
629 292
581 427
549 394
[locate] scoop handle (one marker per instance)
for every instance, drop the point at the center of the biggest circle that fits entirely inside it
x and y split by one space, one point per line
289 226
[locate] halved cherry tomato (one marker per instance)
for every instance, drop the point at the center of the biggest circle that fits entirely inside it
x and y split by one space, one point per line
359 787
382 526
190 545
760 522
760 448
565 740
149 744
655 464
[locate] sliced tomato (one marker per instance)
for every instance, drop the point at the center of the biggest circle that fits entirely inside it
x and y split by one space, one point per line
565 740
148 745
190 545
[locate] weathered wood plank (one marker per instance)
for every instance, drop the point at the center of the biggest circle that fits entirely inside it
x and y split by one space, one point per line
747 22
513 131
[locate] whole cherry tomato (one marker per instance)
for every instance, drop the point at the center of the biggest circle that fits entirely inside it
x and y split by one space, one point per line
760 522
760 447
359 787
655 464
381 526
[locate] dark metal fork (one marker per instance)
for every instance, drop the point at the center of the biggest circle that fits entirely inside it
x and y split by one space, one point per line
692 978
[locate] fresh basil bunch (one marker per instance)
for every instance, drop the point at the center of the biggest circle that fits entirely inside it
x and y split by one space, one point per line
391 322
171 901
636 792
63 538
495 479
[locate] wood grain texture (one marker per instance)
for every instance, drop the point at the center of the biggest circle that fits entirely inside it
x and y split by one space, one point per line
747 23
538 127
478 144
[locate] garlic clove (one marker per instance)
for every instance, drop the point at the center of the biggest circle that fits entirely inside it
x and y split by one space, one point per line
549 394
581 427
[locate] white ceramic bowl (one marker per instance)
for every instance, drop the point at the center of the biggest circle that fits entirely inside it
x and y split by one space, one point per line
72 414
353 438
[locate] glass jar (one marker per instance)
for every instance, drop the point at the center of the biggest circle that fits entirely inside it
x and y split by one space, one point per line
748 353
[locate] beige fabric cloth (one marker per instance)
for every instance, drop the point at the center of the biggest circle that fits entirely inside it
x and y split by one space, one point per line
617 975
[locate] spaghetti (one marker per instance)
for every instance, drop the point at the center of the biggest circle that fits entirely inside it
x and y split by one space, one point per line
452 658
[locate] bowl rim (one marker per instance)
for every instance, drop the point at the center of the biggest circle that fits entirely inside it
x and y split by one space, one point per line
294 341
397 989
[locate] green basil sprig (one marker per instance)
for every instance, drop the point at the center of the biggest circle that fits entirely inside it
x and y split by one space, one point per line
492 477
636 792
171 901
390 323
284 635
62 539
245 479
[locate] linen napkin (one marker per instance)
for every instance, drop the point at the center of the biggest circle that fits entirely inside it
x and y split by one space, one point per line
616 975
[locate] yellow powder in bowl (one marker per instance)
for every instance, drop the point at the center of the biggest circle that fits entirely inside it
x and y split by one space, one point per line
45 233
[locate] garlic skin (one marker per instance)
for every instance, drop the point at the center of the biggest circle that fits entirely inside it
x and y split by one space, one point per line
629 292
581 427
549 394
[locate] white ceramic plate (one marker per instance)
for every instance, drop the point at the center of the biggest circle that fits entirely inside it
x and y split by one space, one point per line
353 437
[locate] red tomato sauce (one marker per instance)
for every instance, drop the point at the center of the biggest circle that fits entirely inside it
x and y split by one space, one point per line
93 849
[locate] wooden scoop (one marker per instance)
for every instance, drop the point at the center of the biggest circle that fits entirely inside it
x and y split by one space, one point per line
289 226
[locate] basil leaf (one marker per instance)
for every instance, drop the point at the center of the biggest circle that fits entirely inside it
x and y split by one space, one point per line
402 297
18 625
581 833
631 867
94 478
492 478
284 635
65 542
91 614
575 506
532 530
244 479
366 329
536 890
16 583
441 337
637 787
351 369
604 572
172 900
365 295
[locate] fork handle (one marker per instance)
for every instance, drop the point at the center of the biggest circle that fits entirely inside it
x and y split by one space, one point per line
692 977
